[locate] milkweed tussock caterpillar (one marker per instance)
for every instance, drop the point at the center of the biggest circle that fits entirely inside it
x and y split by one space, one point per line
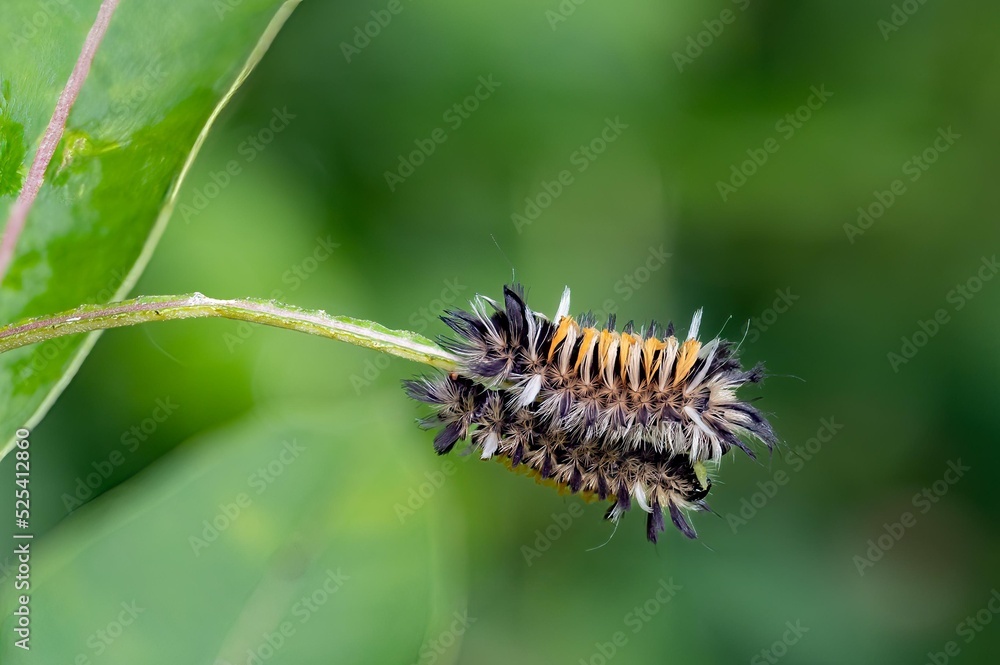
613 415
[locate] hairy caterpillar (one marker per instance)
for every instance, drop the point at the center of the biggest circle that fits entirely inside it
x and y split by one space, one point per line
618 415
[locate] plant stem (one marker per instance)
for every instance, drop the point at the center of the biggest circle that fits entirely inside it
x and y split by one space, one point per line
146 309
54 131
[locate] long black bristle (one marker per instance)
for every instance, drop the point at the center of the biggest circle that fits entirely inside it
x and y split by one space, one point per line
595 411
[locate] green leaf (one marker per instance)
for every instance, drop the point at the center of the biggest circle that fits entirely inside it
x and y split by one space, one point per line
158 81
226 545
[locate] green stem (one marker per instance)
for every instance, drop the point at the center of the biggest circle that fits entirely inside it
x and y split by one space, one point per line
146 309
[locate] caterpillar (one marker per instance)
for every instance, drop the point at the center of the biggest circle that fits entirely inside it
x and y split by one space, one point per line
613 415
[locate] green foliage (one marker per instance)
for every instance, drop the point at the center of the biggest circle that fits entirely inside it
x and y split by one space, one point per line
654 190
270 534
159 77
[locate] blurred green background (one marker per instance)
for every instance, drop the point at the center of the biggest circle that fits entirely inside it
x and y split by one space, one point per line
452 560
